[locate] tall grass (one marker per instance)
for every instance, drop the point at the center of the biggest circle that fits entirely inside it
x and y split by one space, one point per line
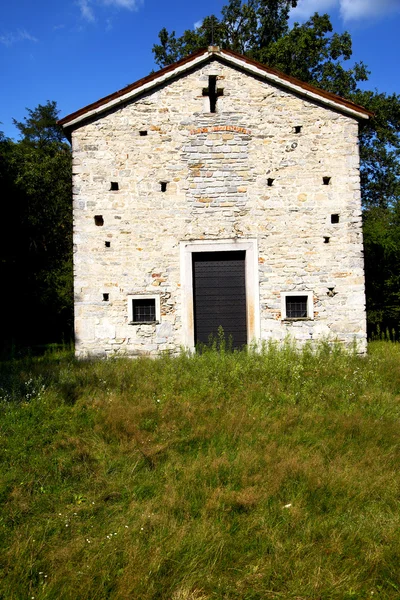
217 476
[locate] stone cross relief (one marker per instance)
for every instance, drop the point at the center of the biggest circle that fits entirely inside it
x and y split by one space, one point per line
213 92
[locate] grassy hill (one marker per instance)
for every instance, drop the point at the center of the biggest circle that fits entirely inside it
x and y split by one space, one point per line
220 476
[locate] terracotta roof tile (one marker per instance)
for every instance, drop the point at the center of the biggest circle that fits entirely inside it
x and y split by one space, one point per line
224 55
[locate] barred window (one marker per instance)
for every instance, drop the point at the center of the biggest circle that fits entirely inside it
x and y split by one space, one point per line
297 305
143 308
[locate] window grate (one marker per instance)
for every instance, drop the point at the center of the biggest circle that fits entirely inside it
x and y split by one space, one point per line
144 309
296 307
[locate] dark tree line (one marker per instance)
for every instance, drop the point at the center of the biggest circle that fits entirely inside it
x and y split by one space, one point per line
35 171
36 240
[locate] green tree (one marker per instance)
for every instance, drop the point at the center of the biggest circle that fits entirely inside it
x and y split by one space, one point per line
382 268
380 186
315 54
36 248
242 28
9 260
39 129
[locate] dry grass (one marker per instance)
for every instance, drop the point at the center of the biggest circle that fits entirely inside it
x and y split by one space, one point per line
219 476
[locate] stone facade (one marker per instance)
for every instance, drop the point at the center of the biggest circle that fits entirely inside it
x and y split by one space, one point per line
251 175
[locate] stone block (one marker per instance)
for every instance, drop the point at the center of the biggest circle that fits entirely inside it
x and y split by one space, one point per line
219 175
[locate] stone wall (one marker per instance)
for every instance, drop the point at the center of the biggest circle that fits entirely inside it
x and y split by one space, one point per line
244 172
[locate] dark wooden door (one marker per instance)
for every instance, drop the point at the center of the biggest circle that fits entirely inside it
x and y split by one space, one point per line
219 291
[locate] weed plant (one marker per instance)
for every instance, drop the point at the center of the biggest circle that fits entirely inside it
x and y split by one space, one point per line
225 475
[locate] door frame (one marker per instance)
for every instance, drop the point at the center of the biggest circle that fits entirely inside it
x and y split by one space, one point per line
251 282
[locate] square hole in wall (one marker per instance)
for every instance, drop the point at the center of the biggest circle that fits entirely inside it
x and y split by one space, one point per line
143 132
326 180
106 297
163 185
98 220
270 182
114 186
335 218
326 239
107 244
297 128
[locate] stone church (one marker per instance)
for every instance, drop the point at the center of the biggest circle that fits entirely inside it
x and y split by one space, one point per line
216 192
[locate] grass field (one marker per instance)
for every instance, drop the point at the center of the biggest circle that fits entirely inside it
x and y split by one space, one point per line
237 476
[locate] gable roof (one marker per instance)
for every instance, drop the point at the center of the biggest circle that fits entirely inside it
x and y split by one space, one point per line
229 57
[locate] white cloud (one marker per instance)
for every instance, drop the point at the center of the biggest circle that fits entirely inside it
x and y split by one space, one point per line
350 10
87 7
363 9
86 10
198 24
129 4
24 35
8 39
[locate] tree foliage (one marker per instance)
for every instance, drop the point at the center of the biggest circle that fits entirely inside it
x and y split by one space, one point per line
39 129
242 28
315 54
36 247
382 267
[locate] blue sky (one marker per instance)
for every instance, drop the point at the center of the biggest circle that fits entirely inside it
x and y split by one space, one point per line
77 51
